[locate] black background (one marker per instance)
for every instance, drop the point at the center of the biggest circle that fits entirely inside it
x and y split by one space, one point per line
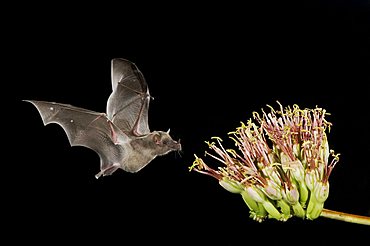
208 68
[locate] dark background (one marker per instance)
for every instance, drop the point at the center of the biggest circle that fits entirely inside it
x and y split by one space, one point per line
208 68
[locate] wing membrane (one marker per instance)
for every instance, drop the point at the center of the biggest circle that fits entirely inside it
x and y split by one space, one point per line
128 104
85 128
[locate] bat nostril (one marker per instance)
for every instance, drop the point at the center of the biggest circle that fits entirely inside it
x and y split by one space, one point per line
178 146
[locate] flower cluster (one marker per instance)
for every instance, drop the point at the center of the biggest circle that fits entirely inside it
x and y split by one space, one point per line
280 165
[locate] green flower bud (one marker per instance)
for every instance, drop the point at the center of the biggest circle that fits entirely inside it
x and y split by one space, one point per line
298 210
311 205
260 214
231 186
296 168
291 194
260 198
271 172
303 193
284 207
255 194
314 207
316 211
311 178
272 190
321 191
252 204
272 211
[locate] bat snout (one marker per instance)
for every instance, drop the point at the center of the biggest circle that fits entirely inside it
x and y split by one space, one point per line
174 145
177 145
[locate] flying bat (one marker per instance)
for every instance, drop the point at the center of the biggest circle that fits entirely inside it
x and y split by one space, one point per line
121 136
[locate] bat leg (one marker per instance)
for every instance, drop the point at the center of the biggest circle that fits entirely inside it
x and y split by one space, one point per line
108 171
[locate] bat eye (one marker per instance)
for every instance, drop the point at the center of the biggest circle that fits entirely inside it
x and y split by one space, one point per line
165 142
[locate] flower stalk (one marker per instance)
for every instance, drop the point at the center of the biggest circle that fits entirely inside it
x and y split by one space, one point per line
280 165
351 218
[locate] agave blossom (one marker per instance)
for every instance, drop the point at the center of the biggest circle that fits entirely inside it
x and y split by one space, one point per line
280 165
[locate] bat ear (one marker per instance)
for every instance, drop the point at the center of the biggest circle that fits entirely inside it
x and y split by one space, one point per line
157 138
168 131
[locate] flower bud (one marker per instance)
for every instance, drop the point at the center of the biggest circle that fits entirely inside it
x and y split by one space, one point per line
284 207
252 204
272 190
303 193
321 191
315 210
259 197
260 214
311 178
296 169
291 194
255 194
273 212
298 210
271 172
231 186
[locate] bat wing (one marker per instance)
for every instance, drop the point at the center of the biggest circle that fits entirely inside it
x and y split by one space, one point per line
86 128
128 104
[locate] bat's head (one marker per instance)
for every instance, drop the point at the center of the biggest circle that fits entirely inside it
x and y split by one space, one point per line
164 142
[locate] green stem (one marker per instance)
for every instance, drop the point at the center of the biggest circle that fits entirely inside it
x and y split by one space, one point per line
352 218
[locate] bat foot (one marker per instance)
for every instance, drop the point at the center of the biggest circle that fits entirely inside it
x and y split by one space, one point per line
107 171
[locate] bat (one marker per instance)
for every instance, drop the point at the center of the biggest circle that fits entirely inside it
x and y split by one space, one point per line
121 136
